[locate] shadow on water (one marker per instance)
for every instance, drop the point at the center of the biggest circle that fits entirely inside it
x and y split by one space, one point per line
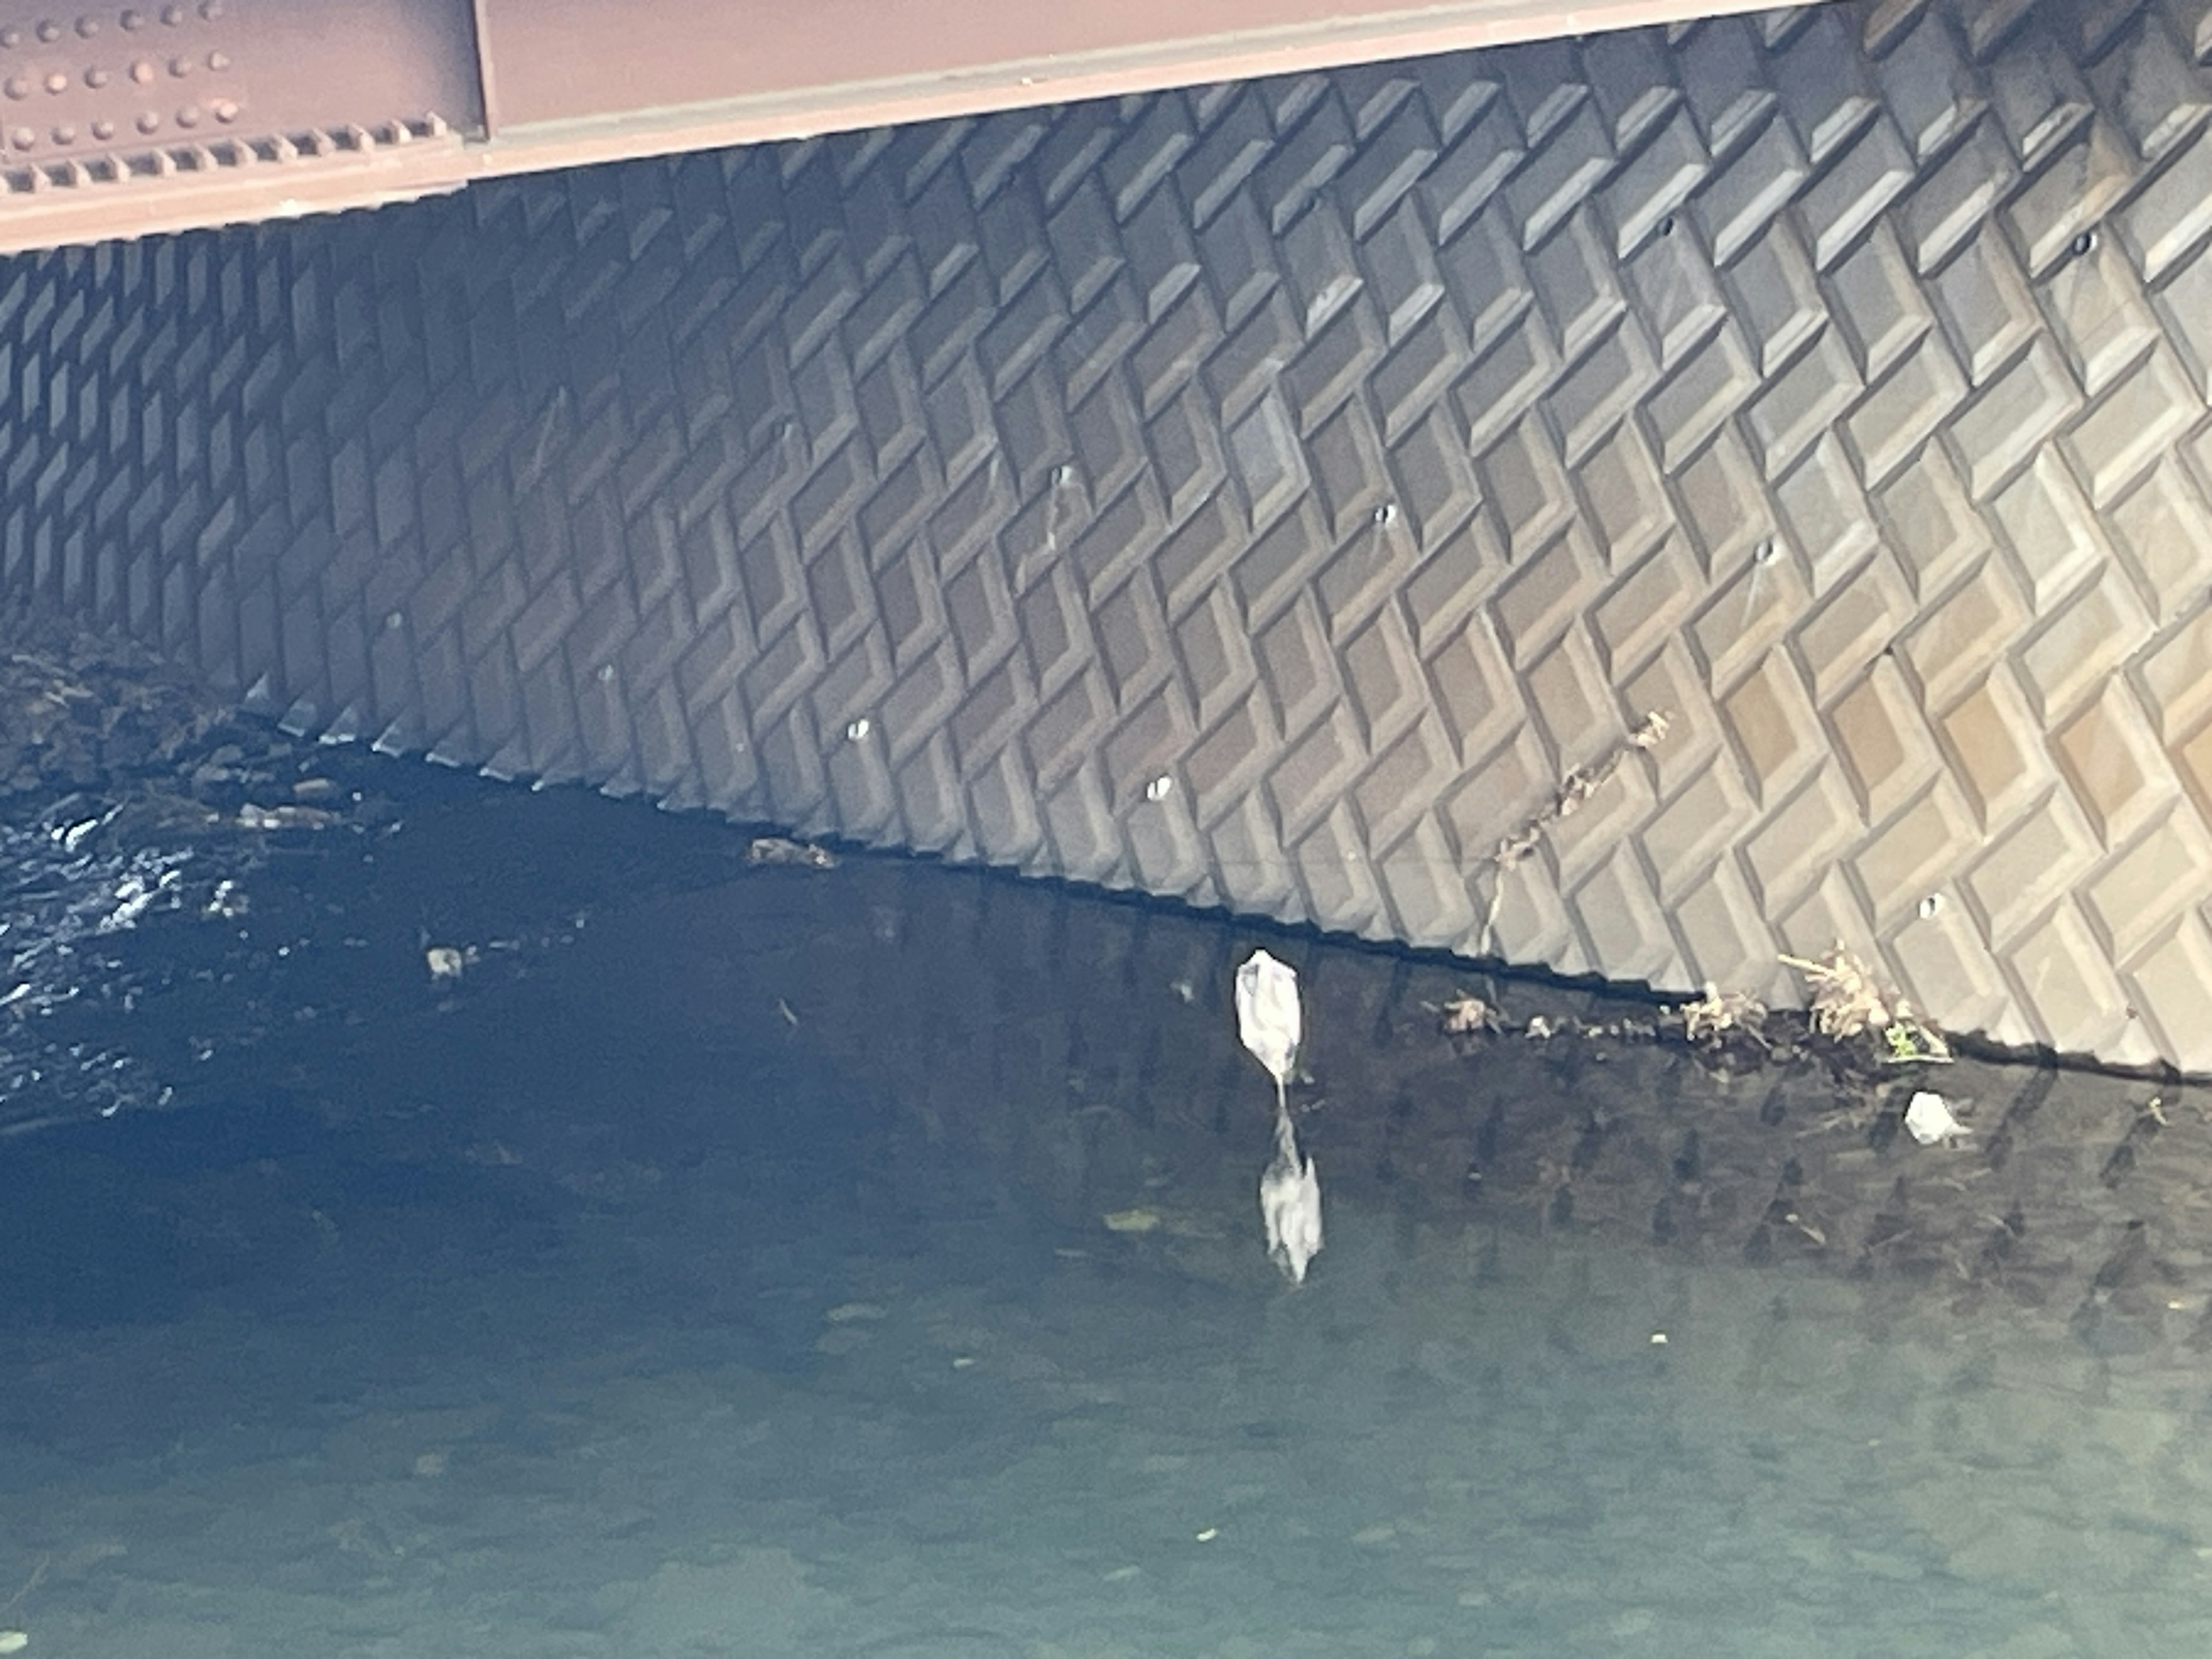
743 1258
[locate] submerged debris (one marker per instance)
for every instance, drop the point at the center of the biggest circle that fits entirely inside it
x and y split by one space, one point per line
284 816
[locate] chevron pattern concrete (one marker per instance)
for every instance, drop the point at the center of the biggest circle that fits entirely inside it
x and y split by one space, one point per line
1273 496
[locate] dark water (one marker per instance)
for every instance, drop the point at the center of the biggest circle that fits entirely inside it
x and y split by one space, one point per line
720 1265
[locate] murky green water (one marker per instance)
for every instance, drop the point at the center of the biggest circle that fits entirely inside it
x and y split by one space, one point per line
720 1265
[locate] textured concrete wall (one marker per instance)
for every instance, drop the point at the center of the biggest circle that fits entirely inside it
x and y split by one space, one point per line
1271 495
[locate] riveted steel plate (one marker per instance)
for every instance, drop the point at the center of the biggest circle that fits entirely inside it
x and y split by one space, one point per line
123 120
108 87
1281 496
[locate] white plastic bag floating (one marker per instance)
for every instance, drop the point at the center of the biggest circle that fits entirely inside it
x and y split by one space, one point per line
1267 1016
1928 1119
1289 1205
1270 1025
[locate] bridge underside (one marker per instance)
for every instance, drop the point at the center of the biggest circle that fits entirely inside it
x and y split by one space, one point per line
1295 496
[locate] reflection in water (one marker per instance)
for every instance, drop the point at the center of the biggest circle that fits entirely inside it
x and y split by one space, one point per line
757 1258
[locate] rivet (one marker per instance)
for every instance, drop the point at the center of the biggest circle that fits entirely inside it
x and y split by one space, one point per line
58 81
1386 513
11 37
857 730
96 77
88 27
1159 789
210 9
103 129
149 122
65 134
173 14
1764 553
142 71
134 19
394 621
24 137
606 673
18 86
189 116
218 60
1930 906
1062 474
180 67
2085 244
224 110
50 31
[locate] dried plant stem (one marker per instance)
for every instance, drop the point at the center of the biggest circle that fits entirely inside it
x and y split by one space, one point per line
1576 788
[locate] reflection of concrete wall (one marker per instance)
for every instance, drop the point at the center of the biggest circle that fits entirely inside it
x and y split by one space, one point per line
1269 495
1064 1059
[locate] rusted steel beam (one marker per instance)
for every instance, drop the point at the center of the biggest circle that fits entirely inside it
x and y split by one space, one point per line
577 76
159 116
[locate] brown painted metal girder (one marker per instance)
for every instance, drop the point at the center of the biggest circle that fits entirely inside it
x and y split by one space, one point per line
120 121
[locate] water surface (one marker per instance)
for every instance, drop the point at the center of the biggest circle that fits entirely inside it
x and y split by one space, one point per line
721 1264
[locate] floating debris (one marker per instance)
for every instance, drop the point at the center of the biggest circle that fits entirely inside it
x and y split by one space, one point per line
1719 1015
1847 1003
1910 1043
1268 1021
1270 1026
1928 1119
796 854
445 962
1467 1015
